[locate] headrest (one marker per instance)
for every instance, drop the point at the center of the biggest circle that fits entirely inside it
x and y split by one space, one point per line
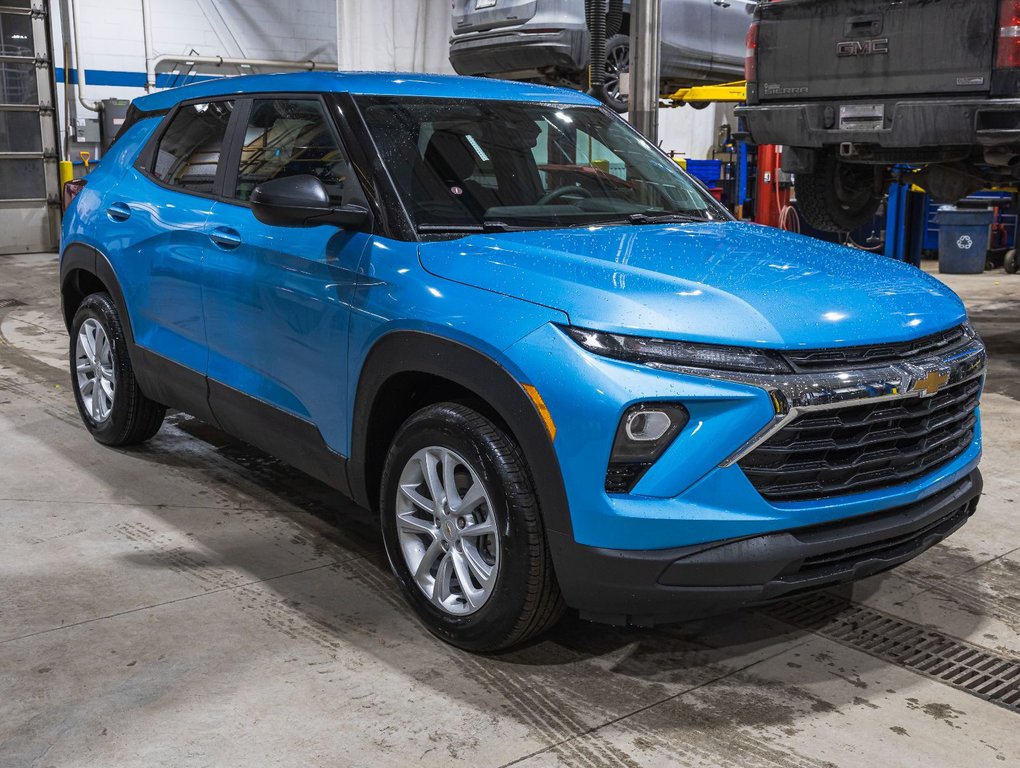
450 156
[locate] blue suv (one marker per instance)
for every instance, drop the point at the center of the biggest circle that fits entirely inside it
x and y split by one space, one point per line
560 371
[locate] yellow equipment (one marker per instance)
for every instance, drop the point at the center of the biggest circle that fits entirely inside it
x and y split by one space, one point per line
706 94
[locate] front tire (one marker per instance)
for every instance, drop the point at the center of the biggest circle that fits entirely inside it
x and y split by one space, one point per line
111 405
838 196
463 532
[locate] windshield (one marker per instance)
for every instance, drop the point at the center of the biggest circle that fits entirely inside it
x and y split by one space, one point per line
477 165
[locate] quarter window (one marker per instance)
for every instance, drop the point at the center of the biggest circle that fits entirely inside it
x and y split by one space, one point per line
290 137
189 153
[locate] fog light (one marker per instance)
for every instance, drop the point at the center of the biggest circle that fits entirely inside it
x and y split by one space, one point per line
645 432
647 426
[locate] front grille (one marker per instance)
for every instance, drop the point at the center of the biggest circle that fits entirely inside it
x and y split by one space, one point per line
857 448
876 354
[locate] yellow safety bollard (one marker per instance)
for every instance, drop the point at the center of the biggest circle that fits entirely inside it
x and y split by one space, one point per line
65 172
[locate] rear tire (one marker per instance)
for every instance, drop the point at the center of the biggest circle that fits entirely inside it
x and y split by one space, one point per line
427 551
1010 262
838 196
111 405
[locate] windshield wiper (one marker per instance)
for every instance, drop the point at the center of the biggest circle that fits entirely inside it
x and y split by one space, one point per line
470 229
639 219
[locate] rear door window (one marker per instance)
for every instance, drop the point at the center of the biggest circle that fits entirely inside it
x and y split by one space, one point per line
189 152
290 137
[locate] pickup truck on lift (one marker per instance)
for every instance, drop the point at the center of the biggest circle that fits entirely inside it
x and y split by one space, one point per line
854 88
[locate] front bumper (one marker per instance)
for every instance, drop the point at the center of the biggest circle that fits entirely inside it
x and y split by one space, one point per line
503 52
906 124
695 536
696 492
666 586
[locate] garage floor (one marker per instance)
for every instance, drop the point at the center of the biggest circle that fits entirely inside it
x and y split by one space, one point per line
195 603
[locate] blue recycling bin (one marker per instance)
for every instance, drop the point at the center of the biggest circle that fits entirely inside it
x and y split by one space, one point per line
963 240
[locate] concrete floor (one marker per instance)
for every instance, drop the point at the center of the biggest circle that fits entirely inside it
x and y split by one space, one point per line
194 603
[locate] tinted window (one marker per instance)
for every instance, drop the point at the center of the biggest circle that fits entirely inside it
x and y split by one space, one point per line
290 137
189 152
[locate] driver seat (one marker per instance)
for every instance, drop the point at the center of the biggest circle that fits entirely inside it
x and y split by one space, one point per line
453 162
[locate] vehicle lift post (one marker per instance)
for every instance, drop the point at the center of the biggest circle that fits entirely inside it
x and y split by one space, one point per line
645 57
905 222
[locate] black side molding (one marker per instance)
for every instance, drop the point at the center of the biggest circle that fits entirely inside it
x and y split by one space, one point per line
289 438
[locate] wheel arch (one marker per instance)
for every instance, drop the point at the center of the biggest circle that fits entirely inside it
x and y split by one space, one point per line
412 369
85 270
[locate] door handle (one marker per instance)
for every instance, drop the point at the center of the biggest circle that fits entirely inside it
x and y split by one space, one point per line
226 238
721 3
119 212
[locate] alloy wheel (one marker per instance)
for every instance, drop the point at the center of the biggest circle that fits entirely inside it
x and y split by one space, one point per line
447 530
93 364
617 63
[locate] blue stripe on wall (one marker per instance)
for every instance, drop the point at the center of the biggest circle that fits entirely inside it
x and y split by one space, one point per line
130 79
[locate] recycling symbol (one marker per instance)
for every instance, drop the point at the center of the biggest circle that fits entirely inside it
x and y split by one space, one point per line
965 243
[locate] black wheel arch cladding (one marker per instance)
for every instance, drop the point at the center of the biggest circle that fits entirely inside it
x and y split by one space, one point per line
431 355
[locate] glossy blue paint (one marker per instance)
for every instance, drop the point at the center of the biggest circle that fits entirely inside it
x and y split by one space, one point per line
395 294
289 316
723 283
277 311
686 498
155 242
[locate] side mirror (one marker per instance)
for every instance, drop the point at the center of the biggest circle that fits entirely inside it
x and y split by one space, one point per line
301 201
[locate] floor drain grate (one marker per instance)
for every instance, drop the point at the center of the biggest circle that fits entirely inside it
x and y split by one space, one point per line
7 303
971 669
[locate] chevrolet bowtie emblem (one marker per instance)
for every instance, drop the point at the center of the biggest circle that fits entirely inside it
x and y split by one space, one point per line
930 384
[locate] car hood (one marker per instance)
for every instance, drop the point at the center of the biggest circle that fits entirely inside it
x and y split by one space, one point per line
723 283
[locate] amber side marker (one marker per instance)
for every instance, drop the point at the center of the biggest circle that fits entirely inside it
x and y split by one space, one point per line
543 410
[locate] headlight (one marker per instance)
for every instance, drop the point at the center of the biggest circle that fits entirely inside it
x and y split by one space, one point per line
636 349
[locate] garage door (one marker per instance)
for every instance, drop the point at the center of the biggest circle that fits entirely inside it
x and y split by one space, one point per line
28 171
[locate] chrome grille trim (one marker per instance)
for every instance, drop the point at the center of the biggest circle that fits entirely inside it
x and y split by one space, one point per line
795 394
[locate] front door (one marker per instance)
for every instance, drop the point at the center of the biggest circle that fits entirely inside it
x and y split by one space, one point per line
277 299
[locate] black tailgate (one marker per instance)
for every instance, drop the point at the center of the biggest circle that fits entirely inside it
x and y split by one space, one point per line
838 48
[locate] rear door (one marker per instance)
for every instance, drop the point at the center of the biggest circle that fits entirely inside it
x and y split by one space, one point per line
483 15
155 234
839 48
277 299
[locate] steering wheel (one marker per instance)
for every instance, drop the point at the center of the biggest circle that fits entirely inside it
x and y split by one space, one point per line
568 191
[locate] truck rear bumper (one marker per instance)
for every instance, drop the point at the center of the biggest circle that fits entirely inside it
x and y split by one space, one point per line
645 588
901 124
518 51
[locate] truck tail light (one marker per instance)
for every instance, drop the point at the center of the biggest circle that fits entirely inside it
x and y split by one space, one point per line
751 54
71 190
1008 53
